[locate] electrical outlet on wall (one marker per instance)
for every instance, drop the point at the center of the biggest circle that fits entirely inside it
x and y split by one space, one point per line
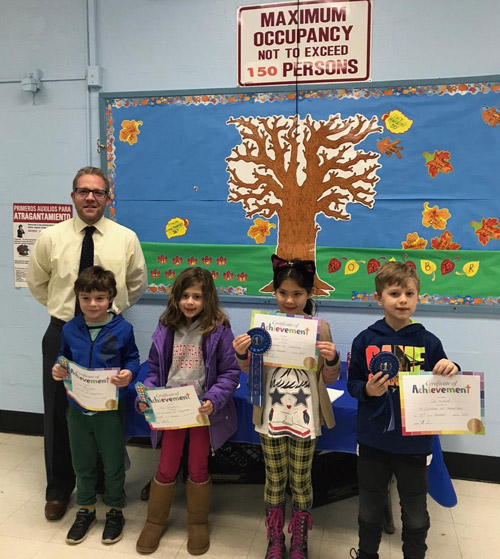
32 80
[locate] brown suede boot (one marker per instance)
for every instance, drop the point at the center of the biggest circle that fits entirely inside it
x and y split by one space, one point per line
160 500
198 505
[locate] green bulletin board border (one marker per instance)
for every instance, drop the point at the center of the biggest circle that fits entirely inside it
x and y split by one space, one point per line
234 277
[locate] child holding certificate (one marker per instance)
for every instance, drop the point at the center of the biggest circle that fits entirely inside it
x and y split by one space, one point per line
98 339
391 344
296 404
192 344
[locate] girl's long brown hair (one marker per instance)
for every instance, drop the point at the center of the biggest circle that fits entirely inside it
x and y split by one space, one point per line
210 316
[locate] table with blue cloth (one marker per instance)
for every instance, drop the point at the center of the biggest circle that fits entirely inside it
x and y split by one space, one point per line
342 438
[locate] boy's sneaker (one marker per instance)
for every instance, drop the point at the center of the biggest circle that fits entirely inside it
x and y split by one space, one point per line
85 519
113 529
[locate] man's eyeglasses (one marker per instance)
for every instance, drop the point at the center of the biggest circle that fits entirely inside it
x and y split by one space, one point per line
84 192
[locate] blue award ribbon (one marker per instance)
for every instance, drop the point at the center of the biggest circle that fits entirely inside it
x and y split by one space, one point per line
388 363
261 342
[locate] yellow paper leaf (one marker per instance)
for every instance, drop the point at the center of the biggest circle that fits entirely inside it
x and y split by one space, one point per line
176 227
428 268
351 267
470 268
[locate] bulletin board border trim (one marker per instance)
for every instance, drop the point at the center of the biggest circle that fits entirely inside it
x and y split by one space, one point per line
104 95
264 301
406 87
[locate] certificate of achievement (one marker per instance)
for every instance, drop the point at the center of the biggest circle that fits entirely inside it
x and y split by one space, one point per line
293 339
91 388
439 405
172 408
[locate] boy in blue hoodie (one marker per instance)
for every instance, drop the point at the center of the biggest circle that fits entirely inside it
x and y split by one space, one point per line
97 338
383 451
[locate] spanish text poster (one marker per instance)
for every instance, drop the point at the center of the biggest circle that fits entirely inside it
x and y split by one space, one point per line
440 405
293 339
29 220
313 42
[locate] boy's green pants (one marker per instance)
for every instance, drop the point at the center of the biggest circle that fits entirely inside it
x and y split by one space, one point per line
90 435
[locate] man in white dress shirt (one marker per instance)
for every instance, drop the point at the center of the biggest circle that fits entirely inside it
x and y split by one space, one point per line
53 268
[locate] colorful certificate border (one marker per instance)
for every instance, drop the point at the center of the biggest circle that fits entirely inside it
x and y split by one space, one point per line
295 316
460 432
149 415
70 366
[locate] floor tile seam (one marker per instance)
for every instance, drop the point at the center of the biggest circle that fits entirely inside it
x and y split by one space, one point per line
495 538
475 497
24 539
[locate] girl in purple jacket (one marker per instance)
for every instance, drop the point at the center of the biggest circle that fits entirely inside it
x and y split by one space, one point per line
192 344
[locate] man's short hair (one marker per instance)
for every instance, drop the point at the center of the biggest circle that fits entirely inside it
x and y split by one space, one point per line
96 278
91 171
395 273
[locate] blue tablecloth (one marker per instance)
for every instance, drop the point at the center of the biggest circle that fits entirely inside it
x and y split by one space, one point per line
342 438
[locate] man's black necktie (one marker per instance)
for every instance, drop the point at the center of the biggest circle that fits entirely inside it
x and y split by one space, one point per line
86 256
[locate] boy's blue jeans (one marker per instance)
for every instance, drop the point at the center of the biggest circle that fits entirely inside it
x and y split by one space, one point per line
375 470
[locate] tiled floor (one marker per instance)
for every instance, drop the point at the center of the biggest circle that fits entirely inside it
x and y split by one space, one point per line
471 530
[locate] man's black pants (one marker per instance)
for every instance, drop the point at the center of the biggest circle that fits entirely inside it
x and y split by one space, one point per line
60 475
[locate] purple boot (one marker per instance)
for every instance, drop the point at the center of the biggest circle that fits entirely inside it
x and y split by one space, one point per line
300 524
276 548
